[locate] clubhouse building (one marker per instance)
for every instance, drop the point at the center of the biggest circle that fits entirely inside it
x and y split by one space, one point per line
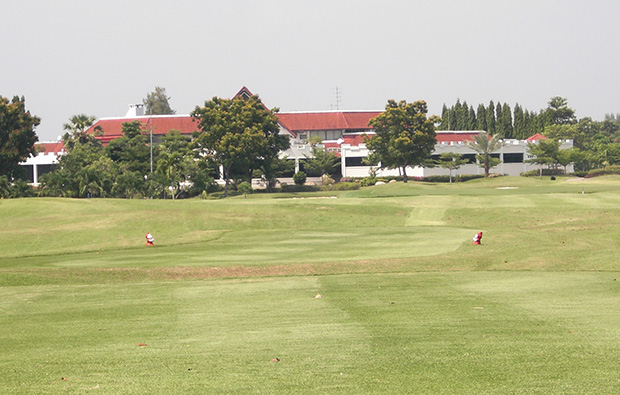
341 132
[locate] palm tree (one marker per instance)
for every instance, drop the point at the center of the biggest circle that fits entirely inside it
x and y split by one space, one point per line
79 123
484 145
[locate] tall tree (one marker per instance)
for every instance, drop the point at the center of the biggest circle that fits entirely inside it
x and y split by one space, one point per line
445 118
79 123
76 130
156 102
238 134
558 112
491 118
485 145
481 118
472 123
519 130
175 161
17 135
507 121
404 135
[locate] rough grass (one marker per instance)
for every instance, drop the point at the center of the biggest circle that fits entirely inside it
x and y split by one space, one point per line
407 304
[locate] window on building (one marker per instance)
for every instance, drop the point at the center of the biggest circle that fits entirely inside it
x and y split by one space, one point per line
354 161
513 157
471 158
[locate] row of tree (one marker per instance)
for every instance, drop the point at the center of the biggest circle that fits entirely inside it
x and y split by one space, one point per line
597 143
504 121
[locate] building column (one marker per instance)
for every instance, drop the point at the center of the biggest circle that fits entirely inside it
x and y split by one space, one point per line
35 175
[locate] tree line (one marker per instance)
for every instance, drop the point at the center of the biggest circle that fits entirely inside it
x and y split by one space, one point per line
236 139
241 136
597 143
502 120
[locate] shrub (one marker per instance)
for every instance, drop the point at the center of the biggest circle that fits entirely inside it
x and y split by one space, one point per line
299 178
614 169
387 179
298 188
368 181
341 186
245 188
439 179
545 172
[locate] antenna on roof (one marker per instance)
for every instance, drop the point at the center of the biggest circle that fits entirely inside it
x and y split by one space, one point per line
338 99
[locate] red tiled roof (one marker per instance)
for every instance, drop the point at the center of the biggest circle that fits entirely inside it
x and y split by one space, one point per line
54 147
448 137
162 124
326 120
536 137
354 139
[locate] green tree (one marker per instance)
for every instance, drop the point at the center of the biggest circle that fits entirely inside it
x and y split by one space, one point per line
445 118
572 155
76 131
506 121
544 152
78 124
451 161
271 169
491 118
17 135
558 112
299 178
481 118
73 172
472 122
519 130
175 161
485 145
238 134
131 151
245 188
321 162
404 135
156 102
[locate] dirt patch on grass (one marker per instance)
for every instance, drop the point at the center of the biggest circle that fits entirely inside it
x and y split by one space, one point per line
49 276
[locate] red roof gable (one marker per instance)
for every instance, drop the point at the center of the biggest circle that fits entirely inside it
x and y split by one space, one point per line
537 137
244 93
161 124
326 120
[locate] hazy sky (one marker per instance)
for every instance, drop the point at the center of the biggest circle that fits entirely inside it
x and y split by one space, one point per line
96 57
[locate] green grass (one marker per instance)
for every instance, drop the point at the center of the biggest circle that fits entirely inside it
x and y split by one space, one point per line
408 304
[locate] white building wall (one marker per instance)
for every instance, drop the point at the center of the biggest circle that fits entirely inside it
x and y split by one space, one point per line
511 169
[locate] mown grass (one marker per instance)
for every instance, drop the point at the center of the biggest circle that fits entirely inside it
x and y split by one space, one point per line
407 304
